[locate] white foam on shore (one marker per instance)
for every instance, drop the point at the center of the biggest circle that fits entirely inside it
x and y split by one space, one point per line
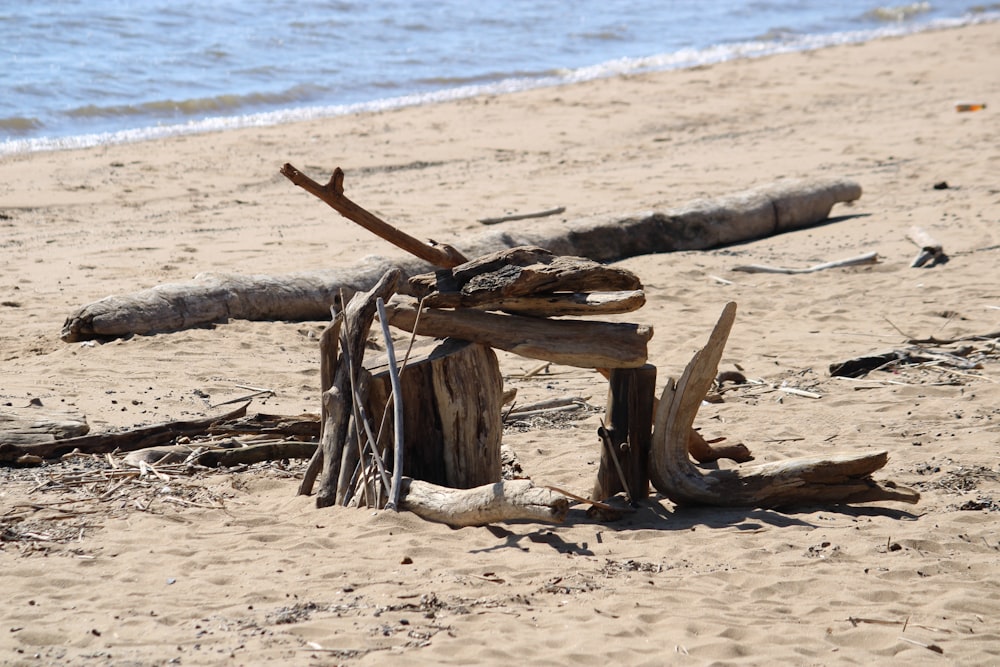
682 59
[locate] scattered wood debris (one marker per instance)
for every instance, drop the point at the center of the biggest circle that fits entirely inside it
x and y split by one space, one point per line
926 353
860 260
931 252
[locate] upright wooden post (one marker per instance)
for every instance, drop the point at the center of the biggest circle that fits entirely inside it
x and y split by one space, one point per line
629 426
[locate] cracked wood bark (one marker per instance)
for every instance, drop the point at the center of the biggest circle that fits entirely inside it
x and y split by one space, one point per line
629 428
452 410
699 225
581 343
517 272
842 478
516 500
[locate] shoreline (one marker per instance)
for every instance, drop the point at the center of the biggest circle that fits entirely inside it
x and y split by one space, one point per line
626 66
244 572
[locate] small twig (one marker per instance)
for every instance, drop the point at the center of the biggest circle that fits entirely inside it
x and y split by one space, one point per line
537 369
867 258
799 392
251 388
397 393
580 499
898 330
606 439
257 393
523 216
929 647
577 401
528 414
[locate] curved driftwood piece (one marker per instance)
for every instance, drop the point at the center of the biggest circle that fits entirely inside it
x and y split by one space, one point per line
581 343
700 225
843 478
516 500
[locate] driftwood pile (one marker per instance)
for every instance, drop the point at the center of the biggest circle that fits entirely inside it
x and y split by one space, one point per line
444 464
505 300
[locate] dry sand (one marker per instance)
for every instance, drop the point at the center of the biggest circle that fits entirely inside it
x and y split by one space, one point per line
247 573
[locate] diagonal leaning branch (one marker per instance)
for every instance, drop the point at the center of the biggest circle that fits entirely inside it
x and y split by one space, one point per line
438 254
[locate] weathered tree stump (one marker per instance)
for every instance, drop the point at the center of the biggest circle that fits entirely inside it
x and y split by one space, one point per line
452 396
628 431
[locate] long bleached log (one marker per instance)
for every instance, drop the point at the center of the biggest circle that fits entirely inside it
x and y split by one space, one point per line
516 500
842 478
699 225
581 343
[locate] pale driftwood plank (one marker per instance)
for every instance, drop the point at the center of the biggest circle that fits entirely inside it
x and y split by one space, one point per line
579 343
570 304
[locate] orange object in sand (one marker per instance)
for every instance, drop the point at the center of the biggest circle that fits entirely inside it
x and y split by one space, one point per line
970 106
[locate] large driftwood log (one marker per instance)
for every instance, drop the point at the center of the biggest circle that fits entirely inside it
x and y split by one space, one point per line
581 343
842 478
699 225
220 457
517 500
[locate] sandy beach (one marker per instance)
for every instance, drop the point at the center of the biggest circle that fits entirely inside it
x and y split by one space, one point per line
238 570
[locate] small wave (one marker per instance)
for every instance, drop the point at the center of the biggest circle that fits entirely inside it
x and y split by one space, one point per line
483 78
605 36
898 13
777 34
19 124
197 106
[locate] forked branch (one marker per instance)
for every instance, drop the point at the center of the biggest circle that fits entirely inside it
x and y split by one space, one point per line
438 254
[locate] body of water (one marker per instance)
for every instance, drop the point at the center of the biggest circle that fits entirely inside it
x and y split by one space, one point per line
79 73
